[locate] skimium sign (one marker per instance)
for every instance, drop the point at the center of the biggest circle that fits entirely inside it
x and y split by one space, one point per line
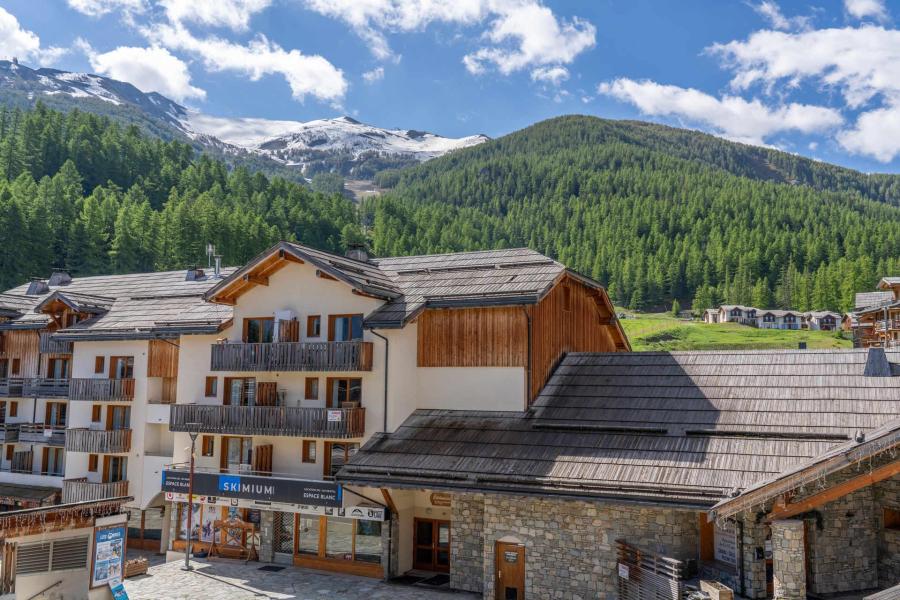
248 487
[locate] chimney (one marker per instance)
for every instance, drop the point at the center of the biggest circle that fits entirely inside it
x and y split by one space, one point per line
59 277
194 273
877 364
218 271
357 252
37 287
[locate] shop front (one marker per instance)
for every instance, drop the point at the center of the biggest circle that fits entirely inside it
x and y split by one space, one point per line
256 517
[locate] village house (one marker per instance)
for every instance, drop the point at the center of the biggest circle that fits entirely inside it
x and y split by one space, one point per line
820 320
875 320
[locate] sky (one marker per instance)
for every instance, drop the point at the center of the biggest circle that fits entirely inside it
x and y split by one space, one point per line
820 78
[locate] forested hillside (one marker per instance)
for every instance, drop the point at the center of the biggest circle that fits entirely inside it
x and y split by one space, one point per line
80 191
655 213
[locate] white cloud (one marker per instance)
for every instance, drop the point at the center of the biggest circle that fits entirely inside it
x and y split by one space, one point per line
521 33
98 8
24 44
875 133
860 9
306 75
748 121
550 75
151 69
233 14
769 10
376 74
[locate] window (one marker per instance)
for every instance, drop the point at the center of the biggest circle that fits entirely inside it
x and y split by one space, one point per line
339 541
4 368
53 462
121 367
342 390
339 538
312 388
891 518
207 446
240 391
95 413
308 535
118 417
259 330
344 328
212 387
115 468
58 368
93 461
16 365
336 456
309 451
236 451
55 414
99 364
314 326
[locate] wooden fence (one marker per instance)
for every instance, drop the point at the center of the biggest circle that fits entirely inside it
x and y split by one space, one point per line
98 441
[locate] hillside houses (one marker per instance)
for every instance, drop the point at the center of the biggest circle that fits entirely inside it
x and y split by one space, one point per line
875 319
821 320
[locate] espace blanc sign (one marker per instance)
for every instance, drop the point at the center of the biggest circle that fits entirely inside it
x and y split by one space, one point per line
266 489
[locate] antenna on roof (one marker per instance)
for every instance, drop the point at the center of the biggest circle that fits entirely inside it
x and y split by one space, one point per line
210 253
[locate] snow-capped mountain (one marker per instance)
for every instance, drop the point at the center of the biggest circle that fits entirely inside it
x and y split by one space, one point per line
341 143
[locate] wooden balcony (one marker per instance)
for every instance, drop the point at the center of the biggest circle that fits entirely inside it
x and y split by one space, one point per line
46 388
98 441
48 345
270 420
82 490
22 462
9 433
102 390
36 433
12 387
292 356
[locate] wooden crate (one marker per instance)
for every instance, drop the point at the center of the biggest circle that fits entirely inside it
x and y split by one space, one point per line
716 590
137 566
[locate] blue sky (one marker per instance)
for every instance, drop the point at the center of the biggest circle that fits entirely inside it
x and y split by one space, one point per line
819 78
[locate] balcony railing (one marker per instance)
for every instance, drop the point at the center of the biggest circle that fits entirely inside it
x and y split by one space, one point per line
892 324
98 441
9 433
36 433
98 390
12 387
82 490
22 462
270 420
292 356
50 346
46 388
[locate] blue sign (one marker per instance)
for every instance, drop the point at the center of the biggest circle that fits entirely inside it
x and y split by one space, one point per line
109 555
229 483
118 591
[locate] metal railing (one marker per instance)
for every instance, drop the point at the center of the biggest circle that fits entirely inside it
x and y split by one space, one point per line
270 420
82 490
46 388
98 441
36 433
12 387
292 356
9 433
48 345
99 390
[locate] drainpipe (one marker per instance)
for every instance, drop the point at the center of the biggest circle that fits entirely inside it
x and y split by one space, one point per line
387 354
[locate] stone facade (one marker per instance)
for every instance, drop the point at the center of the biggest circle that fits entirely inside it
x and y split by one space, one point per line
266 536
887 496
467 542
570 551
789 560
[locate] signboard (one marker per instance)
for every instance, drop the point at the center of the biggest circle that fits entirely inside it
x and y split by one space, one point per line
109 555
334 416
251 487
440 499
365 513
118 591
511 556
725 544
624 571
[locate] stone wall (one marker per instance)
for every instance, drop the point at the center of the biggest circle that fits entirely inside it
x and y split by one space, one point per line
266 536
467 542
887 495
842 543
788 560
570 551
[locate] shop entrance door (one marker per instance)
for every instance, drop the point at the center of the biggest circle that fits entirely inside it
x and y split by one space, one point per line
510 567
431 550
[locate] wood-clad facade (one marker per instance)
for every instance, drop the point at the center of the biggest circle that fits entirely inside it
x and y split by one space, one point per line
162 358
473 337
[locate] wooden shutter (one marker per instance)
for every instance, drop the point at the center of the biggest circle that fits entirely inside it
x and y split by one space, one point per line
266 393
99 364
45 459
106 469
289 331
262 458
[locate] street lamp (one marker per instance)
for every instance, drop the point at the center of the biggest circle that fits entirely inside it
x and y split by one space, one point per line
193 431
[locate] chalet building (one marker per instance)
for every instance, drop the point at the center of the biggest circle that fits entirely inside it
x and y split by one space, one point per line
875 320
821 320
631 474
325 351
89 368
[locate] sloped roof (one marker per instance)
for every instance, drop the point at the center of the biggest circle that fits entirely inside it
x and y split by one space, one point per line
12 305
867 299
887 282
78 302
680 427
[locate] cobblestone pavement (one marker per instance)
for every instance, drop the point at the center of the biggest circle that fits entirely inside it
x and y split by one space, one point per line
225 579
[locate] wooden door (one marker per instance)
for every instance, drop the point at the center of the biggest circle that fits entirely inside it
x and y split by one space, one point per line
431 545
510 567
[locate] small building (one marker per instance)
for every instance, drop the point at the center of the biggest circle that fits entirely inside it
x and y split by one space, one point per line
822 320
875 321
711 315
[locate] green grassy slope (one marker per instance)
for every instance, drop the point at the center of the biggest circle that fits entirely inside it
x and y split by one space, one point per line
661 331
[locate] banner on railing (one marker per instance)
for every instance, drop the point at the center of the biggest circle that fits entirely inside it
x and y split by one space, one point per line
249 487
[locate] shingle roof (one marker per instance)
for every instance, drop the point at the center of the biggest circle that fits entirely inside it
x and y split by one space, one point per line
685 427
867 299
83 303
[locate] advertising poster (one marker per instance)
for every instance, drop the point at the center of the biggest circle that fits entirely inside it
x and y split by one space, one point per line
109 555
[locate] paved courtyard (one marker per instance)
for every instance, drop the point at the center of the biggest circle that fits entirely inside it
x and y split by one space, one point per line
225 579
